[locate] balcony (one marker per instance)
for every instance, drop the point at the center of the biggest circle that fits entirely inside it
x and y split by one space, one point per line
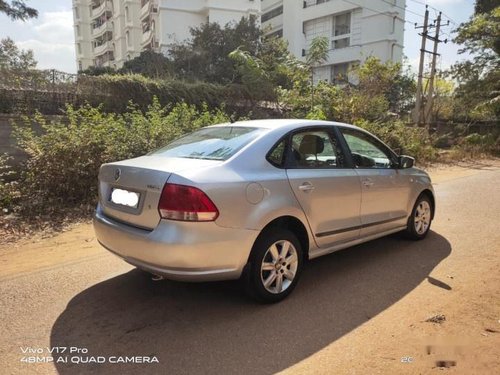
103 48
148 7
146 37
100 9
144 11
105 60
99 30
347 54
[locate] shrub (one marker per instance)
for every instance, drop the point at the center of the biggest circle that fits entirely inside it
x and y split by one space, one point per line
7 193
412 141
476 144
113 92
63 161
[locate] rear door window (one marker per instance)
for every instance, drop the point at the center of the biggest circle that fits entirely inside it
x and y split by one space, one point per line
315 149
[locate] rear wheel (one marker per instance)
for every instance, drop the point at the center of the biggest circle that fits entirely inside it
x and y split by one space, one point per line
275 266
420 220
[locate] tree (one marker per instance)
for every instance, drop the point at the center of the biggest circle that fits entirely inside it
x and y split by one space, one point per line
17 10
479 78
11 57
272 69
97 70
206 56
252 71
485 6
317 55
150 64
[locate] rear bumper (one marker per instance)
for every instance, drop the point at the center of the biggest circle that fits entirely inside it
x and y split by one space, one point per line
178 250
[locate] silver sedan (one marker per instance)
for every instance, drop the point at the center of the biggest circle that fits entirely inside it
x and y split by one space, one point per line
256 199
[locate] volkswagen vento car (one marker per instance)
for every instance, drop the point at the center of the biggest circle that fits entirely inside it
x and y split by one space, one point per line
256 199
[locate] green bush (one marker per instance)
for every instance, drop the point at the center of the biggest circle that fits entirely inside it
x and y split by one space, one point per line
113 92
476 144
63 161
7 191
412 141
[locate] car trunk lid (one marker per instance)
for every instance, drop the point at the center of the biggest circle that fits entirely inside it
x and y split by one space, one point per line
129 190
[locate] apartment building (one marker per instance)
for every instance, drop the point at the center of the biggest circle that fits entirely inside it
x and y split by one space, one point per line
356 30
107 33
110 32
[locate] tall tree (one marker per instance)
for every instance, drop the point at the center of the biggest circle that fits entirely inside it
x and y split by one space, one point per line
479 78
485 6
206 56
17 10
150 64
11 57
317 55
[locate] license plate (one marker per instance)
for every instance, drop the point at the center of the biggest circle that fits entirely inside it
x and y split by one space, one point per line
125 197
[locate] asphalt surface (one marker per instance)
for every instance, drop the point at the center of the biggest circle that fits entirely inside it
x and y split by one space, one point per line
351 311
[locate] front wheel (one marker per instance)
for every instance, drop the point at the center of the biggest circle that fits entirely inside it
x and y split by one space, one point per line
420 220
275 266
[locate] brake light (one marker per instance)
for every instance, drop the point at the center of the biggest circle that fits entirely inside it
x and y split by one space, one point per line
186 203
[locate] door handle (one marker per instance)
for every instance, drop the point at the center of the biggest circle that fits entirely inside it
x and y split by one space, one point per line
368 182
306 187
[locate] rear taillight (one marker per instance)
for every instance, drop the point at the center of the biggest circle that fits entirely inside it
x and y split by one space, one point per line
186 203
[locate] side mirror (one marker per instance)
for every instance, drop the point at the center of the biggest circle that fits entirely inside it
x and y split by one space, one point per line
405 161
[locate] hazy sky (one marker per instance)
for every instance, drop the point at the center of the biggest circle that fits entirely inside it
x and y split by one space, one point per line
51 36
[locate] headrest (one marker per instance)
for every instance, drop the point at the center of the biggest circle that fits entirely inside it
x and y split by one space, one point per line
311 144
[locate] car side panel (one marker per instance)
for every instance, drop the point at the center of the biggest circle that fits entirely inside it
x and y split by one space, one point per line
332 206
248 199
385 199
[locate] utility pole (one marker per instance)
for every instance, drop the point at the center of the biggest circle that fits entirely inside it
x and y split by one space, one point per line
418 103
430 93
423 111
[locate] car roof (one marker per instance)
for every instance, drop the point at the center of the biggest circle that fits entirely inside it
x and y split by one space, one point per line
282 123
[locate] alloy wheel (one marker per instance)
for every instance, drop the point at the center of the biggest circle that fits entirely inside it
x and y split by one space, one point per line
422 218
279 266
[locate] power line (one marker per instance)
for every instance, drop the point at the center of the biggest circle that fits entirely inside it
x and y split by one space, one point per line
436 9
403 8
377 11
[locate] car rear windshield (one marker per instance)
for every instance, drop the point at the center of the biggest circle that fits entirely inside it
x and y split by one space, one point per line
218 143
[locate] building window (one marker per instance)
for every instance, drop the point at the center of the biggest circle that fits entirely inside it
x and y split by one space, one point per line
77 14
338 73
275 34
127 38
79 47
272 13
80 66
127 14
340 43
341 31
310 3
342 24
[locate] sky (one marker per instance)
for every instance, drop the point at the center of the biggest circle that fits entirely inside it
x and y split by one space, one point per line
51 35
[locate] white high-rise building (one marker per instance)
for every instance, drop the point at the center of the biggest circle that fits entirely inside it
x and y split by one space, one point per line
107 33
110 32
356 29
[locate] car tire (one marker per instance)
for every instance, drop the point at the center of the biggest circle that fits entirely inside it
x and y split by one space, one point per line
420 219
274 267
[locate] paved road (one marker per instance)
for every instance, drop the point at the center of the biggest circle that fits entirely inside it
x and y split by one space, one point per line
355 311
